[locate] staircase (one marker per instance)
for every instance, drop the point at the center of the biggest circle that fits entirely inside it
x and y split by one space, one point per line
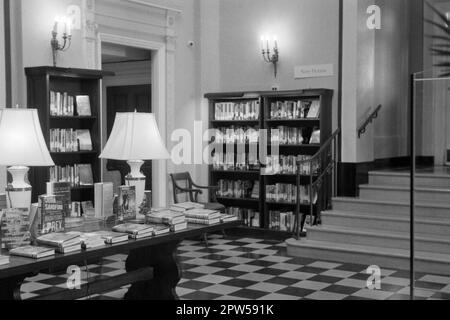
374 228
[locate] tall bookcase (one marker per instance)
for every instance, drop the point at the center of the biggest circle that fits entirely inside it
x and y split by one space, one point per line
266 100
40 82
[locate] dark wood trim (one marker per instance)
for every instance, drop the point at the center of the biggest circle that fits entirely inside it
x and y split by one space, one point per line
67 72
8 61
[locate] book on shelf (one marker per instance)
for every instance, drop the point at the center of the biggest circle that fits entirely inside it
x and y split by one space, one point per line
289 165
85 174
63 140
315 137
127 203
228 161
207 222
294 109
33 252
245 110
15 228
83 105
104 198
240 189
236 134
61 104
84 140
281 221
249 217
52 211
113 237
287 193
314 110
288 136
71 174
59 240
62 189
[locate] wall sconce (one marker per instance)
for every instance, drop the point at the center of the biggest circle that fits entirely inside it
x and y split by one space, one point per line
66 37
267 55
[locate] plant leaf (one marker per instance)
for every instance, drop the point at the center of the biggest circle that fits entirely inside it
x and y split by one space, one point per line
440 52
437 37
438 25
440 14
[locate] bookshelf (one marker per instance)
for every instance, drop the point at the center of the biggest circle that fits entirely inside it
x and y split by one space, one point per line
300 128
41 81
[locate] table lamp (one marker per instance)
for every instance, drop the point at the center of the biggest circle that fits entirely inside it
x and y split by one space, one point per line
22 145
135 137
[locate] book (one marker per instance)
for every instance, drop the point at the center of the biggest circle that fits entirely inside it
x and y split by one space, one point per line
178 227
228 218
86 177
83 105
59 240
3 203
207 222
315 137
52 214
202 214
71 249
314 110
141 235
166 217
160 229
61 104
84 140
34 252
133 229
146 206
243 110
88 240
104 198
127 203
187 206
113 237
15 228
63 189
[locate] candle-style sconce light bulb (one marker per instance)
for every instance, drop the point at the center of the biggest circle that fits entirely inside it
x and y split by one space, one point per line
61 23
266 51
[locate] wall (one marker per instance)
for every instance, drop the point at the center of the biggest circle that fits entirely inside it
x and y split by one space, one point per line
2 84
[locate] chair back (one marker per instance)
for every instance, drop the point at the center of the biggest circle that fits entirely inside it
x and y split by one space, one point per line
181 182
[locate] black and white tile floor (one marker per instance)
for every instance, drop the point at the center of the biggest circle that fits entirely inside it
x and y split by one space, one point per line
255 269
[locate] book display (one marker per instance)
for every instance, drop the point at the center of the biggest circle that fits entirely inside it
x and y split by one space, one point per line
68 103
15 228
255 154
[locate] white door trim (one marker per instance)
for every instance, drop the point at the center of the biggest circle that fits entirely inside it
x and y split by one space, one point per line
159 102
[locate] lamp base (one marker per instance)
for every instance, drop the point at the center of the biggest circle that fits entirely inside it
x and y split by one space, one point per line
137 179
18 193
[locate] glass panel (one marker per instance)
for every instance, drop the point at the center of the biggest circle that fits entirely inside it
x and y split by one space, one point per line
431 196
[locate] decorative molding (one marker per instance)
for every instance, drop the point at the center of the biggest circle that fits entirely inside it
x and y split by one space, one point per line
152 5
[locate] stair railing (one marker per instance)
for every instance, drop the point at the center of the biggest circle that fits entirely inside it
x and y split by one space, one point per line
373 115
320 169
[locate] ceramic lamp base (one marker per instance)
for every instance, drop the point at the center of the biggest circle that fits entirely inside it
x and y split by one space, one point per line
18 193
137 179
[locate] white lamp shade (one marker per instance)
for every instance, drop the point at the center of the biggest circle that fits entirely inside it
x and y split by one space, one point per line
21 140
135 136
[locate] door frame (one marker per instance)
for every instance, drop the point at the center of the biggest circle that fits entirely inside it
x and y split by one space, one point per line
159 102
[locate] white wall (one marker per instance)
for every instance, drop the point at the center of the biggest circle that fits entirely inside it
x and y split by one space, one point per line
2 84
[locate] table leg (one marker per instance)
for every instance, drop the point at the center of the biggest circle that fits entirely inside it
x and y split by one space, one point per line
10 288
167 273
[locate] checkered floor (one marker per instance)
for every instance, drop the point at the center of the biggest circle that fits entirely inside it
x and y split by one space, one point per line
255 269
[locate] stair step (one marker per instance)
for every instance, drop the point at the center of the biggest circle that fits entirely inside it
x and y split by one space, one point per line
431 263
423 210
384 239
399 193
387 222
430 180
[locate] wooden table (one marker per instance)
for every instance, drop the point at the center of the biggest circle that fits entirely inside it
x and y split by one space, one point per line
152 267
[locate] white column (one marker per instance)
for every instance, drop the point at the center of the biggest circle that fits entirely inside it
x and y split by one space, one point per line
2 85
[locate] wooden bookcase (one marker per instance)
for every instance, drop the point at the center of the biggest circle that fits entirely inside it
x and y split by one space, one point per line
42 80
324 123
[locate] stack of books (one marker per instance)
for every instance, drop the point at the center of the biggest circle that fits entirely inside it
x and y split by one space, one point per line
185 206
92 240
4 260
135 231
175 220
62 242
113 237
33 252
203 216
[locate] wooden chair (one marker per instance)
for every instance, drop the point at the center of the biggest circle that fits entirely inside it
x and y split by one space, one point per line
183 185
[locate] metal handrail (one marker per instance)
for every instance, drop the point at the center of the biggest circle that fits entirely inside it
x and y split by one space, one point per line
362 129
330 147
